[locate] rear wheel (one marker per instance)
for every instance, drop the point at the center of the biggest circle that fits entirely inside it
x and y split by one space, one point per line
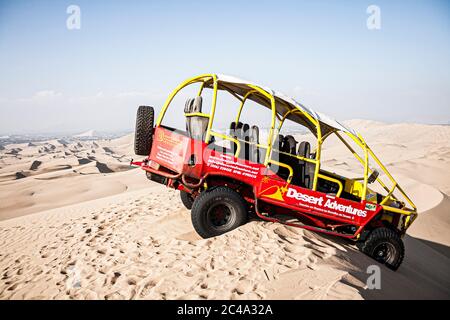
186 199
144 129
385 246
218 211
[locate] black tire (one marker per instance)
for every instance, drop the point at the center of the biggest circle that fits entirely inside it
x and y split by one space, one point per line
144 130
218 211
187 199
385 246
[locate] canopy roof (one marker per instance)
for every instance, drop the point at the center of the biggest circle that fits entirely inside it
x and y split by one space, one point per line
283 104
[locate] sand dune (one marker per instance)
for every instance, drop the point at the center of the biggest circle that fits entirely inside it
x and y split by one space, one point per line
56 173
87 232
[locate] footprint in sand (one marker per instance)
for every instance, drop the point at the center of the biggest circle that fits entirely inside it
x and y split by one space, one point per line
115 278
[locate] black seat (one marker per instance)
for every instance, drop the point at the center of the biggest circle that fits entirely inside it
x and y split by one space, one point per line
254 140
245 139
238 130
289 147
232 133
278 145
233 129
290 144
306 168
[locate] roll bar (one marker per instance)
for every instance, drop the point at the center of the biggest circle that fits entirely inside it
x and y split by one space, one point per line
257 90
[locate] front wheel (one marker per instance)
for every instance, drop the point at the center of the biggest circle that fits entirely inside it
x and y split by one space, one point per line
385 246
218 211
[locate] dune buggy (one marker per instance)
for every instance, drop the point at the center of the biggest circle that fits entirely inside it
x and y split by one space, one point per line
227 173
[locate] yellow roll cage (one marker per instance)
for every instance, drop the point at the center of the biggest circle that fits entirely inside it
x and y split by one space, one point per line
253 90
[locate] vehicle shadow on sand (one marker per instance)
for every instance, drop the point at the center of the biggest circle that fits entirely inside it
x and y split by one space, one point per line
422 275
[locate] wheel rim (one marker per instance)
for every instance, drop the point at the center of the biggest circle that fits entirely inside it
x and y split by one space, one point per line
384 252
220 216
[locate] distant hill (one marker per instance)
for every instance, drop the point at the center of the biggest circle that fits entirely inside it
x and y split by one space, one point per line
87 134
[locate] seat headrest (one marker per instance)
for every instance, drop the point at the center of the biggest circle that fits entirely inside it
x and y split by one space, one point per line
188 105
304 149
239 130
197 104
233 129
245 132
289 144
254 134
193 105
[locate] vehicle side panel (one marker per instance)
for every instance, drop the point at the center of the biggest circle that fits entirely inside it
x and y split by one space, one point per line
169 149
317 203
179 153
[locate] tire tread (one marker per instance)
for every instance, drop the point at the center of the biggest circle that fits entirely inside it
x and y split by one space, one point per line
186 199
384 234
144 129
208 197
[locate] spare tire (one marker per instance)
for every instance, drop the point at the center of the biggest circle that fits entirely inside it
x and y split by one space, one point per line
144 130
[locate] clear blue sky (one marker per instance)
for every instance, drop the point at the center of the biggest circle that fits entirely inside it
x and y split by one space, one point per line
135 52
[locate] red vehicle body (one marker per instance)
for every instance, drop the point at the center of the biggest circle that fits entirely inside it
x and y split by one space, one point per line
170 155
196 163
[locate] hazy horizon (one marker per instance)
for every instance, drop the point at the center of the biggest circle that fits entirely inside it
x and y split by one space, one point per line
126 54
126 131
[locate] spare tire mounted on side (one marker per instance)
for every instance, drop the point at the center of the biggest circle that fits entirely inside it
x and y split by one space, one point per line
144 130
